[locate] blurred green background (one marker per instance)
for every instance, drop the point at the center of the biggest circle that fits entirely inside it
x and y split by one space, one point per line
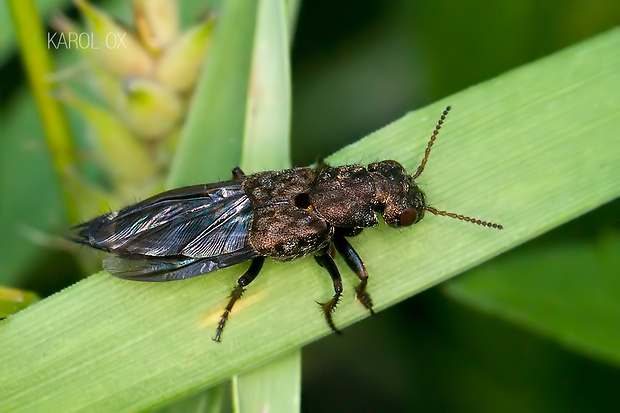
467 345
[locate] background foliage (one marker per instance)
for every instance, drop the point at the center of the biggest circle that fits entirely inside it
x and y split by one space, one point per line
508 333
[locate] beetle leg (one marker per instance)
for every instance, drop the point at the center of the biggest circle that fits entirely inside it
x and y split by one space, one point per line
327 262
349 232
356 264
237 292
237 173
331 251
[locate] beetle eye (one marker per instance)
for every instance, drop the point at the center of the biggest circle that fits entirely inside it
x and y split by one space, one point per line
408 217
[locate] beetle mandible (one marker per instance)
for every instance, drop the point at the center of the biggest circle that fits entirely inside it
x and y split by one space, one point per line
282 215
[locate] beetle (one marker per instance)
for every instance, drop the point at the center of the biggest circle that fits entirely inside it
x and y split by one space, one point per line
283 215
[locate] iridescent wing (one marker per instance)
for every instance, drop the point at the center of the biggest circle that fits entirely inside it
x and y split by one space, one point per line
145 268
174 235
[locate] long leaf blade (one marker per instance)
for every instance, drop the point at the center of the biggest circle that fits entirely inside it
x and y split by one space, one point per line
275 386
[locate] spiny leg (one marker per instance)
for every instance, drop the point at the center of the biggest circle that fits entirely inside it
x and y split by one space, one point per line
327 262
238 174
356 264
237 292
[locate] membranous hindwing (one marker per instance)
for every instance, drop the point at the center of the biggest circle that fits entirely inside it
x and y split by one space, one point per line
177 234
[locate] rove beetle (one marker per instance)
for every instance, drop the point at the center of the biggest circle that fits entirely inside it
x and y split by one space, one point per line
282 215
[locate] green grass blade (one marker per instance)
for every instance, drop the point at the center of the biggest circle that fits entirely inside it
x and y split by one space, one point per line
275 386
211 138
266 120
292 9
207 401
530 149
266 145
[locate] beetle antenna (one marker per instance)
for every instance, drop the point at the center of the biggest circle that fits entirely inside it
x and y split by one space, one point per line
463 218
431 142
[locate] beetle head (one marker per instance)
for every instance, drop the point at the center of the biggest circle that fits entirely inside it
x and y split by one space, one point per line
398 198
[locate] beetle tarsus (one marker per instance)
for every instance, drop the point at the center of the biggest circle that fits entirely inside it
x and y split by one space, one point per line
328 309
327 262
363 297
356 264
237 293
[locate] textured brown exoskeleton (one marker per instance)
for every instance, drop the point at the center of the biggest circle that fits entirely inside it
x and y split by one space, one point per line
282 215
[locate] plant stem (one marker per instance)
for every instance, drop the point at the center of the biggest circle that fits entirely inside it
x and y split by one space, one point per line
38 65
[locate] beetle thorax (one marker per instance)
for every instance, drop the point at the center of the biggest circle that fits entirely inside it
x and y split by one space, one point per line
344 196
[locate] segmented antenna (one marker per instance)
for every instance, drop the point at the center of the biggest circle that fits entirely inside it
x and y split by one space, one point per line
463 218
431 142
